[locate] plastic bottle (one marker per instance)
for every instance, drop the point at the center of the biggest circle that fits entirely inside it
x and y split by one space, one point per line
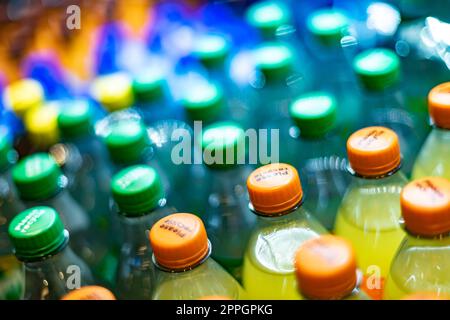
40 182
379 73
181 253
433 157
369 212
85 162
41 243
422 261
313 144
227 218
326 30
140 199
23 95
326 270
90 293
11 279
282 225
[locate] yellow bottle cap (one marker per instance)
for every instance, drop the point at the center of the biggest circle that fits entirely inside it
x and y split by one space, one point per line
114 91
23 96
89 293
274 188
42 126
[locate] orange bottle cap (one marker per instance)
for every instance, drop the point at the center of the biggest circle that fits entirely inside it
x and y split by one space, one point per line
274 188
425 206
426 296
215 298
439 105
89 293
179 241
373 151
326 268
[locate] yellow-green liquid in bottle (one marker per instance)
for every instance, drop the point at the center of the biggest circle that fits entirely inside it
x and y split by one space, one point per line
268 271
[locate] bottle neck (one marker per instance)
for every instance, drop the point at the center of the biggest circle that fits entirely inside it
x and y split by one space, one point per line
388 176
274 218
135 229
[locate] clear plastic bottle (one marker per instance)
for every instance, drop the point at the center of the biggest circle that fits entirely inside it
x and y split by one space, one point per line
282 225
326 270
85 162
227 219
433 157
379 73
313 144
11 279
129 144
370 210
422 262
40 182
326 30
185 270
278 79
41 243
140 199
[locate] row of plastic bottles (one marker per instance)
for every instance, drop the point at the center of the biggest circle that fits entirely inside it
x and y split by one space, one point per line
110 179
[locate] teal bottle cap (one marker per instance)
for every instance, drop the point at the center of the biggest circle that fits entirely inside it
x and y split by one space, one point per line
36 233
211 49
74 120
37 177
148 86
274 61
127 141
314 113
137 190
203 102
223 145
327 26
268 16
8 155
377 69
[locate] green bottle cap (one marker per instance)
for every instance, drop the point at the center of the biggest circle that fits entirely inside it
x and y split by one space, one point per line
274 61
314 113
74 120
127 141
211 50
377 69
36 233
268 16
137 190
327 26
223 145
37 177
8 155
203 102
148 86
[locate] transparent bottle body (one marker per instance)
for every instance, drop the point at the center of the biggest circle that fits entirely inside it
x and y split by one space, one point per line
369 218
421 265
228 221
88 173
135 272
206 279
11 276
55 276
322 167
388 108
268 271
433 158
